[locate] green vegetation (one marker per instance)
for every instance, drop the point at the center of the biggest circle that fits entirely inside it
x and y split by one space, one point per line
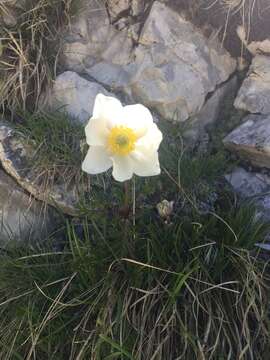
122 282
135 286
57 140
55 147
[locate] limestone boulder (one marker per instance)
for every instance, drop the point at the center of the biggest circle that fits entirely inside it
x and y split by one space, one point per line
174 61
171 60
113 76
125 8
23 219
92 38
217 106
117 7
248 184
17 157
226 17
254 94
75 95
251 140
138 7
254 187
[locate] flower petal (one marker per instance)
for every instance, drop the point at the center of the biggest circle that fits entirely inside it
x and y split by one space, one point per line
107 108
96 160
145 164
96 132
150 141
138 118
106 114
122 168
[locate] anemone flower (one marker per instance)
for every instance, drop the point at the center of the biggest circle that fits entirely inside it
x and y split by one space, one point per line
122 137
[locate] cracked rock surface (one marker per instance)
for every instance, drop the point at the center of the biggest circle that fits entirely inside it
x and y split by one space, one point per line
251 140
23 219
16 157
254 94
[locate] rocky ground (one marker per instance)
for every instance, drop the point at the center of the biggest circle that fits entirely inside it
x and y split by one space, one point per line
155 53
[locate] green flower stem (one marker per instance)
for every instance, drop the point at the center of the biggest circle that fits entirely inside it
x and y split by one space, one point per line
133 204
126 190
129 232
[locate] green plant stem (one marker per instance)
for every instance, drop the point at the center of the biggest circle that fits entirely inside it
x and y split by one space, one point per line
129 239
133 206
126 190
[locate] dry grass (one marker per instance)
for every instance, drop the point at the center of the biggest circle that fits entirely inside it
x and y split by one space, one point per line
30 48
237 5
243 12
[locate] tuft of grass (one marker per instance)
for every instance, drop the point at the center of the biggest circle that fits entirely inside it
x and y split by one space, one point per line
155 291
56 137
138 286
56 141
239 5
246 10
29 50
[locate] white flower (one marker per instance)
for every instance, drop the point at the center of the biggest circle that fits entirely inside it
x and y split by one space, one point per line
122 137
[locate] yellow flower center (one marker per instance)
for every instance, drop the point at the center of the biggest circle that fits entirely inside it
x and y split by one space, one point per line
121 140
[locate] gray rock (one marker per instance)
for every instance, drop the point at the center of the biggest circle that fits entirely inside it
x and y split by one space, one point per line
117 7
92 38
172 61
254 187
23 219
75 54
254 94
138 6
134 31
248 184
119 48
210 112
75 94
220 101
251 140
16 157
175 60
90 22
113 76
225 16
